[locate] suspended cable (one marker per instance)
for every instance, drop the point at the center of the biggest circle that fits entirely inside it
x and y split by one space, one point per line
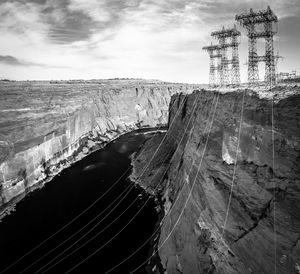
75 218
131 187
101 247
235 163
190 192
89 231
154 233
273 179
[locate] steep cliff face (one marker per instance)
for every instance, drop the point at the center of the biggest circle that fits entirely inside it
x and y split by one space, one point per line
45 127
193 172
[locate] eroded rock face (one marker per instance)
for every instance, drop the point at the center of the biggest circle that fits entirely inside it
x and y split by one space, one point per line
194 176
45 127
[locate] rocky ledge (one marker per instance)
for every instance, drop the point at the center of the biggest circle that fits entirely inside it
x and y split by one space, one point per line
194 172
46 126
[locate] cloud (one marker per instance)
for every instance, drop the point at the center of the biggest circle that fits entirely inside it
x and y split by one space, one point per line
50 20
66 25
13 61
10 60
124 38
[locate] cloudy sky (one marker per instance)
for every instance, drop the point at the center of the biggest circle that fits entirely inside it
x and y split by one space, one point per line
154 39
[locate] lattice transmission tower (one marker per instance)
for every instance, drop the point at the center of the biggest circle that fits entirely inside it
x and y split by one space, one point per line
215 68
277 57
251 20
230 73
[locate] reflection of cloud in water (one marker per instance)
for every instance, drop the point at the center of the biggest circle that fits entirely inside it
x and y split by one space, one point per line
94 166
123 148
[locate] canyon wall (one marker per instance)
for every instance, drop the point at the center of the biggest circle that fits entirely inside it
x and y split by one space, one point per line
45 127
194 172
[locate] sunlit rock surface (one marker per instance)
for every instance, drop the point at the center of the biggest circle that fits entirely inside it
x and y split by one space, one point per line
194 181
45 126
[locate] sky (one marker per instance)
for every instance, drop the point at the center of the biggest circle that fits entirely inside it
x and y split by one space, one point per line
151 39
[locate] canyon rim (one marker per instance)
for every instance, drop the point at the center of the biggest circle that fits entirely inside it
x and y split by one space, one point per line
143 136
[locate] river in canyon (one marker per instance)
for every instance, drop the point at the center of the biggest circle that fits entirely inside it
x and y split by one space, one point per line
45 211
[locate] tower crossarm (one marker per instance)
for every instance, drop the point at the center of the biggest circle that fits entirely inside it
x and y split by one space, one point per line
229 45
217 68
262 34
251 18
216 55
257 58
211 47
231 61
226 33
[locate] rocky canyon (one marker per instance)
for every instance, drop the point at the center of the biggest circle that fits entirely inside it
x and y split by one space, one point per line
231 204
46 126
226 171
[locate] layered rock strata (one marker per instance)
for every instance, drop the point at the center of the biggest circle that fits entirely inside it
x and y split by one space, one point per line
44 126
194 173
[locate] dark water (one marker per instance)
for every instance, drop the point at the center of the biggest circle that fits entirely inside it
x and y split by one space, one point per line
47 210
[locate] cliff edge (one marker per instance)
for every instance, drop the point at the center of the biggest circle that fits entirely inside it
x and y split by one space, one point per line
46 126
195 175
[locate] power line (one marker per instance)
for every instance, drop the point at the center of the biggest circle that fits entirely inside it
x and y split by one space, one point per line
274 184
190 193
235 163
90 230
97 250
71 221
154 233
